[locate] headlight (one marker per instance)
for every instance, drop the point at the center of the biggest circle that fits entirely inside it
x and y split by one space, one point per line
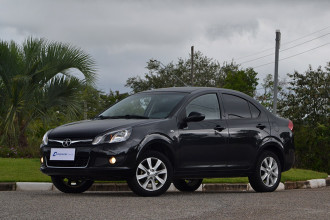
45 138
113 137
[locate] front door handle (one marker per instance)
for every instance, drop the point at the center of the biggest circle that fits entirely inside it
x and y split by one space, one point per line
261 126
219 128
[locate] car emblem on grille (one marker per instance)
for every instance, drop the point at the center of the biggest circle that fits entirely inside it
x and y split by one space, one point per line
66 142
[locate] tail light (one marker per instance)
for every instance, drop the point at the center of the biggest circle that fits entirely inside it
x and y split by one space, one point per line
290 125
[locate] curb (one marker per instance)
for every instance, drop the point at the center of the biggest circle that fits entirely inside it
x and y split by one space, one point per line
8 186
206 187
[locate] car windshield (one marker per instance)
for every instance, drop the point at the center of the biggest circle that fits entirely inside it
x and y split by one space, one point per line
144 105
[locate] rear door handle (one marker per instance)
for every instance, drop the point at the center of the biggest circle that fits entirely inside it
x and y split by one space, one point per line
261 126
219 128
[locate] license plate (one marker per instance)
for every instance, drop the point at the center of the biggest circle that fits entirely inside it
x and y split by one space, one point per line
62 154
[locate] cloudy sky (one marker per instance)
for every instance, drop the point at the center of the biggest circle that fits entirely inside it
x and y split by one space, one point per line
123 35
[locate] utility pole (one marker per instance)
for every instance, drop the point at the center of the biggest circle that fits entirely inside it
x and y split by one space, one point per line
192 66
277 50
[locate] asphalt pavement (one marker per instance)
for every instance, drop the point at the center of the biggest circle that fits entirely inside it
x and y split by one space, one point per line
286 204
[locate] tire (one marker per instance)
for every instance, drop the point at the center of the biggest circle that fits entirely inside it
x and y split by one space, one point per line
267 173
187 185
152 175
69 185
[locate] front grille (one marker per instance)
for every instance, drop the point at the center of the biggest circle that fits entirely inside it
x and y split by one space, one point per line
75 142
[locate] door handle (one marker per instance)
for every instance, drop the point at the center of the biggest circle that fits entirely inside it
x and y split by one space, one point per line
261 126
219 128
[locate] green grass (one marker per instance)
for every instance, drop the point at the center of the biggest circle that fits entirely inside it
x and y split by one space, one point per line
227 180
27 170
291 175
21 170
300 174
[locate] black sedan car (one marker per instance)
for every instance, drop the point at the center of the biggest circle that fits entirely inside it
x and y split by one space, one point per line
178 135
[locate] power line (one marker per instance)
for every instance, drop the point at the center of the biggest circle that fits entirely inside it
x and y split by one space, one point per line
251 55
292 55
305 51
258 58
304 42
306 35
248 61
282 44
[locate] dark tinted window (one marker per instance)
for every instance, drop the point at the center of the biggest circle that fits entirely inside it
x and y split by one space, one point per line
236 107
255 112
205 104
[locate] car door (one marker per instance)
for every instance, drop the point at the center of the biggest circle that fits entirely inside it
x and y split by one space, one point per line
247 126
201 144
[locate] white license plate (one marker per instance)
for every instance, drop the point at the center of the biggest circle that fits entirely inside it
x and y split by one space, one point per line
62 154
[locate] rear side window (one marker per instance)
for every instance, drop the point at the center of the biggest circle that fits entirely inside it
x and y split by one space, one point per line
205 104
255 112
236 107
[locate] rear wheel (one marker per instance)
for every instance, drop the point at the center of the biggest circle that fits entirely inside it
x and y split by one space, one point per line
267 173
187 185
71 185
153 175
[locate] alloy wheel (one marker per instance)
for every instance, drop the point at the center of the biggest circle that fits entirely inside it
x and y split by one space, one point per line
269 171
151 174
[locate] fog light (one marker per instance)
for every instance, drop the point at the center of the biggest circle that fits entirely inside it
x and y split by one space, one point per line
41 159
112 160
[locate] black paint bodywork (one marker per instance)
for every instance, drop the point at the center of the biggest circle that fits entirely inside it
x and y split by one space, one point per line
209 148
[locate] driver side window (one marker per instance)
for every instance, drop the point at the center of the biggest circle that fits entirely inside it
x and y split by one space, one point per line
205 104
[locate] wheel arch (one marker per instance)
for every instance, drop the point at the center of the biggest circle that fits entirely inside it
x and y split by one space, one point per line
275 147
159 143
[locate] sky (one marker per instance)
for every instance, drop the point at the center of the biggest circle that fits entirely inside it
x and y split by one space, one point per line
122 36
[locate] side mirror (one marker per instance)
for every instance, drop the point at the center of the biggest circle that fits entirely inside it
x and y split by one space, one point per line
194 117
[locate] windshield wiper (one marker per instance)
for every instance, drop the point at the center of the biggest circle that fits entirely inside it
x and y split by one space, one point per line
131 116
123 116
102 117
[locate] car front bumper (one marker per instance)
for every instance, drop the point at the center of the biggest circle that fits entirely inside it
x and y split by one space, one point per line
92 162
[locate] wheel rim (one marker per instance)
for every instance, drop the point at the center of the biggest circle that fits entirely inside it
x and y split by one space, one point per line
151 174
269 171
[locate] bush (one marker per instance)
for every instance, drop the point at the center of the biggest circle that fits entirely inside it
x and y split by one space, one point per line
312 147
15 152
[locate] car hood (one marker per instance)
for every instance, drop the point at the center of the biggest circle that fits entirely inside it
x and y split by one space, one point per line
89 129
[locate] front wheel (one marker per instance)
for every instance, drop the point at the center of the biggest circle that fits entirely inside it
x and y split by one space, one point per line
187 185
153 175
267 173
71 185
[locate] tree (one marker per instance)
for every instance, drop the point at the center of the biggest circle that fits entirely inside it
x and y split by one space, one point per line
307 105
207 73
96 101
240 80
266 96
36 81
307 101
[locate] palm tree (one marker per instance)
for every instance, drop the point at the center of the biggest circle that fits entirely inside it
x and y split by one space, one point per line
35 78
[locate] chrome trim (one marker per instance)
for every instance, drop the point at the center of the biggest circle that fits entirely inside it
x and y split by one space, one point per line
72 142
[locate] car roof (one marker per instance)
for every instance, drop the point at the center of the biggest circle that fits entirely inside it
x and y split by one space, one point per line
206 89
191 89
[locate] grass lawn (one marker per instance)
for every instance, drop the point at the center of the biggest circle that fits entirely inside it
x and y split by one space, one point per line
27 170
21 170
290 175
